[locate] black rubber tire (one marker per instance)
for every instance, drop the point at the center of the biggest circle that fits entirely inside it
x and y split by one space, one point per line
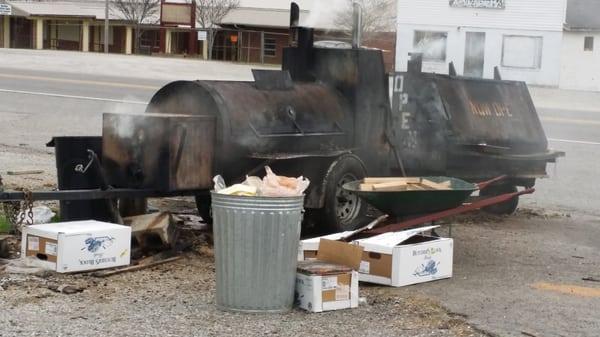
505 208
203 204
343 211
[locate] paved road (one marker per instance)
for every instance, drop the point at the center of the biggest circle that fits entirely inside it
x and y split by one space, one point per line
38 105
77 101
500 265
575 183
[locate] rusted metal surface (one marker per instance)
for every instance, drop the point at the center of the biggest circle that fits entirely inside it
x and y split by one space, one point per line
163 152
467 127
254 123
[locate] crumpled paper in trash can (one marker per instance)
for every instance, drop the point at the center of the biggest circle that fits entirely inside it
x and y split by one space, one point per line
271 185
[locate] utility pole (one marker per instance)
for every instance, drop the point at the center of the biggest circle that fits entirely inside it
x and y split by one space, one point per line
106 27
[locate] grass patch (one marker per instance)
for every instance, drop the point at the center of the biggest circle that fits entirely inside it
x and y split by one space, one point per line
4 224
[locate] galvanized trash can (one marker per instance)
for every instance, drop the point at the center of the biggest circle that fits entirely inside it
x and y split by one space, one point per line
256 248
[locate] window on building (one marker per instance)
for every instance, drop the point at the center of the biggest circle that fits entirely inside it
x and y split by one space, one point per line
520 51
588 43
431 44
270 47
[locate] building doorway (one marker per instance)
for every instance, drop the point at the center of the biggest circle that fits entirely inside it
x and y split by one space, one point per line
180 43
62 35
474 54
21 33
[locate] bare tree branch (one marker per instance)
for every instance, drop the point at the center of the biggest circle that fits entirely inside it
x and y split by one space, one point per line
136 12
377 16
210 13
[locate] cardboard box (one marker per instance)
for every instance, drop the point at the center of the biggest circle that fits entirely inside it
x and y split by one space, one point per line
307 250
331 281
76 246
322 286
407 257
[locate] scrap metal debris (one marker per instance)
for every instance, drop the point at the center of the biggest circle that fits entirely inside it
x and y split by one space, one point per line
107 273
22 173
65 289
591 279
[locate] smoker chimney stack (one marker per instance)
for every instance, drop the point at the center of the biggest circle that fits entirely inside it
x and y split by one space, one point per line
294 15
357 24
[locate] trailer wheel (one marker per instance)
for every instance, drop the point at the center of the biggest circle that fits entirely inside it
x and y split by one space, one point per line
203 204
343 210
507 207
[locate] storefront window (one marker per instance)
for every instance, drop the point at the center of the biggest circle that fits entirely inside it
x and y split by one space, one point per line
431 44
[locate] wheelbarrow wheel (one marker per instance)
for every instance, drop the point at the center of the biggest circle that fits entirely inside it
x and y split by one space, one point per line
505 208
343 210
203 204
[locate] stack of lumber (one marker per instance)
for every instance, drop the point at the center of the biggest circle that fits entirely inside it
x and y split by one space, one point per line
403 184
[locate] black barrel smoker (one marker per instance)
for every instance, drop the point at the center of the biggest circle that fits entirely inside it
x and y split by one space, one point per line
334 116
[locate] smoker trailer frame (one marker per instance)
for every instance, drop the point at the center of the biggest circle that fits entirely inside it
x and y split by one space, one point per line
332 115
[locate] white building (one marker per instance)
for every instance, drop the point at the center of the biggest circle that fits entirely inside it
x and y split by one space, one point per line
522 37
580 60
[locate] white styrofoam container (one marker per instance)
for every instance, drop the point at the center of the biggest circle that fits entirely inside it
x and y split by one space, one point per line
76 246
410 263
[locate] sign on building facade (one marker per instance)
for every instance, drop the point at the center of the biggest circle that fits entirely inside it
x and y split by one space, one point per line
5 9
496 4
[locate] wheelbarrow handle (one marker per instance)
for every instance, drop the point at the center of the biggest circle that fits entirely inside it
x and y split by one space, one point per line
485 184
467 207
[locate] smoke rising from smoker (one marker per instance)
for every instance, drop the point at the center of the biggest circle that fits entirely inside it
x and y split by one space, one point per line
124 127
431 47
323 9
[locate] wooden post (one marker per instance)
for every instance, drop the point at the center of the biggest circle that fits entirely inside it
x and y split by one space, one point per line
85 36
167 41
193 40
128 39
6 31
39 33
262 47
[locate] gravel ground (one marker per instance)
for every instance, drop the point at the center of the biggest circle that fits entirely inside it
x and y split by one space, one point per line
177 299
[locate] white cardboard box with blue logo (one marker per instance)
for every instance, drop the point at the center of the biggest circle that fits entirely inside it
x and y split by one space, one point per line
408 257
76 246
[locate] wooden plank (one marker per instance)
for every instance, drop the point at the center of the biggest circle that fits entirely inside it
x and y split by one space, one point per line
366 187
436 186
416 187
391 186
377 180
22 173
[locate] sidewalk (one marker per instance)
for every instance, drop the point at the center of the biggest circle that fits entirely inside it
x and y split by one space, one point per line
554 98
133 66
172 68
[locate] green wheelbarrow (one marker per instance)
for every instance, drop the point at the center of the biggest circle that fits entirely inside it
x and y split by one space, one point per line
410 202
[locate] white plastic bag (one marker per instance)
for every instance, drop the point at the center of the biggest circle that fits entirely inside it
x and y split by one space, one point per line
219 183
253 181
41 215
279 186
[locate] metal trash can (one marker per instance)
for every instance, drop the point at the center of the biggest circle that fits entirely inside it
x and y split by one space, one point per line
256 248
